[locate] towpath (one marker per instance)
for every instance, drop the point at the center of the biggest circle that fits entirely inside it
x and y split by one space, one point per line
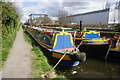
18 64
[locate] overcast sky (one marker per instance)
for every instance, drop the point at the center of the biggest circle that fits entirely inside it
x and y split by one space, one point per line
52 7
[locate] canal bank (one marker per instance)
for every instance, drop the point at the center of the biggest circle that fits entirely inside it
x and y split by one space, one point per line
40 66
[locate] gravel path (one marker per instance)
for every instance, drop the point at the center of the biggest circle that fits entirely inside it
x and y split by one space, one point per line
18 64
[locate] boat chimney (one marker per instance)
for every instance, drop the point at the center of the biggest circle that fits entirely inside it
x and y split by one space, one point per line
80 25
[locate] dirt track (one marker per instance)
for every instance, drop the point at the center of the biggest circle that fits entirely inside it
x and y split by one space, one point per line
18 64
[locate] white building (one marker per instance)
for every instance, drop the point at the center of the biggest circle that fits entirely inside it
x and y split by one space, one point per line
113 15
119 13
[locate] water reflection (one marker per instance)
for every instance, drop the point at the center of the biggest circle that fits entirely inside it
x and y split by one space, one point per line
91 69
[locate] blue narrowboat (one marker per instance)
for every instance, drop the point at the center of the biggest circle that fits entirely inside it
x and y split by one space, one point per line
58 43
91 38
92 44
87 37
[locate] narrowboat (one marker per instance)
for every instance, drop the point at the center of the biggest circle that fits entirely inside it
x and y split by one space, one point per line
115 45
58 43
87 37
114 53
93 38
93 44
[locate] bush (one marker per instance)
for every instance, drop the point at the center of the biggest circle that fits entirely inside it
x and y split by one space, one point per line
10 25
117 28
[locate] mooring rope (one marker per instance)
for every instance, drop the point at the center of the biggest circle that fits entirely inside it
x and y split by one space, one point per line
59 61
64 56
108 51
79 44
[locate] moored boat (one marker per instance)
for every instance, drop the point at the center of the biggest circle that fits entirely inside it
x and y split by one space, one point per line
115 46
58 43
93 44
93 38
114 53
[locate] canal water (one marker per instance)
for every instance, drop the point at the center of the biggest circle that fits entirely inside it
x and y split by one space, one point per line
91 68
95 66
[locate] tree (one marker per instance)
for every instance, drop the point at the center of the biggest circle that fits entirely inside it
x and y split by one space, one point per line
62 14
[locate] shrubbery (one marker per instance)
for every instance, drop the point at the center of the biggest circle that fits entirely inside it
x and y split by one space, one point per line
10 25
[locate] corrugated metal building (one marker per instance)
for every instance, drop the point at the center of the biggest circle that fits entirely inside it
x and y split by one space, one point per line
95 17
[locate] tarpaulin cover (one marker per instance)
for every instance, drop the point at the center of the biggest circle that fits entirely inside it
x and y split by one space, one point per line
63 41
91 36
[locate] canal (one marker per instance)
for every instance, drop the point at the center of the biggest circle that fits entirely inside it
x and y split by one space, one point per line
91 68
95 65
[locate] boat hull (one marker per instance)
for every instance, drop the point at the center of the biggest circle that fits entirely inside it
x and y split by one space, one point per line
70 57
95 51
65 62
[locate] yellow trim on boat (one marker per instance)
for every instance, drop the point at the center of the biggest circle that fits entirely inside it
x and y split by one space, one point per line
118 43
95 40
95 43
57 55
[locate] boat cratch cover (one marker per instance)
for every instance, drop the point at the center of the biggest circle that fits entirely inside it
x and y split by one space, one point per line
63 40
91 35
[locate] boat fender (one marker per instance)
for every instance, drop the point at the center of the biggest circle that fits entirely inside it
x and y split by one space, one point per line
104 37
74 72
81 56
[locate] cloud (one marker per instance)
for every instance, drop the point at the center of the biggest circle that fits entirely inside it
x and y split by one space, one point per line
74 4
52 7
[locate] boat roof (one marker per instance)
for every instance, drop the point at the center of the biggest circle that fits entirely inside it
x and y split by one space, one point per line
52 29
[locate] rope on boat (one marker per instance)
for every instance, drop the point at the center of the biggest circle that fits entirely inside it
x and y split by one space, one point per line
79 44
55 65
108 51
64 56
74 35
59 61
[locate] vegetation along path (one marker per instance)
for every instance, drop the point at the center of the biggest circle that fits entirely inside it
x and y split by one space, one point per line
18 64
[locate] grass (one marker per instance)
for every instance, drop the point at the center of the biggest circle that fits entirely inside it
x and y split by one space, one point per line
7 37
6 45
40 64
27 37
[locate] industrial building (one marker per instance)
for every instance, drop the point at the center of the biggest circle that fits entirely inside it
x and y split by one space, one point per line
104 16
38 19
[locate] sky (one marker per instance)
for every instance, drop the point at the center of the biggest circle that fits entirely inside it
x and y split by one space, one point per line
53 7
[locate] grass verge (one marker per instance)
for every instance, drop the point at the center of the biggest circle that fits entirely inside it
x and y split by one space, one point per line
7 40
40 64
